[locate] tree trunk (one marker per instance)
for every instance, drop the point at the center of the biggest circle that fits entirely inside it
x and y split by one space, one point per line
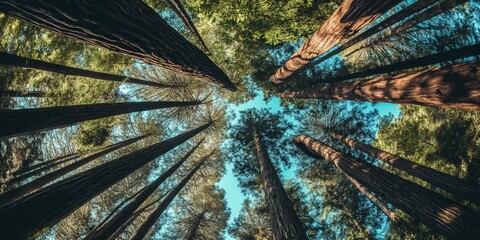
162 206
112 225
284 221
13 93
35 185
360 227
193 229
178 8
126 27
17 61
22 121
45 163
434 210
454 86
48 206
346 21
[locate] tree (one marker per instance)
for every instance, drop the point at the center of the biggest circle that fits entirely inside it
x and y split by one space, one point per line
13 93
46 164
129 28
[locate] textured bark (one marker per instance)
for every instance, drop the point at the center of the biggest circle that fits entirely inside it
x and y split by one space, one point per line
452 184
284 221
16 61
51 204
112 225
13 93
192 231
126 27
346 21
162 206
44 163
454 86
178 8
432 209
35 185
22 121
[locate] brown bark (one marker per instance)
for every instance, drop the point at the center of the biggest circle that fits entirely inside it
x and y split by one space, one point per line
454 86
48 206
35 185
162 206
22 121
44 163
447 182
126 27
284 221
432 209
193 229
13 93
350 17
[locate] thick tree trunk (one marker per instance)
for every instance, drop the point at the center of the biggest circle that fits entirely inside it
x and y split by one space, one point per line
22 121
162 206
284 221
127 27
35 185
120 218
16 61
453 86
45 163
178 8
346 21
13 93
51 204
432 209
457 186
192 231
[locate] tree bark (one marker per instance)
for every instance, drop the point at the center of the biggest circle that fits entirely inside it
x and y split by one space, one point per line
346 21
162 206
126 27
48 206
22 121
45 163
35 185
432 209
13 93
17 61
193 229
284 221
457 186
454 86
112 225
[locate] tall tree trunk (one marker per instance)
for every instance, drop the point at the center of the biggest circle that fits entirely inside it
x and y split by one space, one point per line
284 221
192 231
45 163
17 61
35 185
127 27
162 206
434 210
112 225
22 121
457 186
346 21
454 86
178 8
14 93
51 204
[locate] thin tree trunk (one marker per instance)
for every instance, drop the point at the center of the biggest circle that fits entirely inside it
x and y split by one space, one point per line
112 225
51 204
284 221
127 27
193 229
178 8
454 86
44 163
22 121
360 227
432 209
35 185
457 186
153 217
13 93
346 21
17 61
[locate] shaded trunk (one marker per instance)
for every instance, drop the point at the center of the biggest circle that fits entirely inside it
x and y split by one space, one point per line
454 86
44 163
346 21
457 186
284 221
193 229
48 206
112 225
432 209
17 61
13 93
126 27
162 206
22 121
35 185
178 8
